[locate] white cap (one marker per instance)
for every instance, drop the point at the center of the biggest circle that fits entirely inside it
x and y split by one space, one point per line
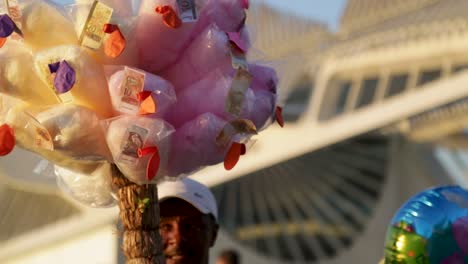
192 192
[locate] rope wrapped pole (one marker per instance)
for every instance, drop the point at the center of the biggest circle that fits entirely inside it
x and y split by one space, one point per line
139 213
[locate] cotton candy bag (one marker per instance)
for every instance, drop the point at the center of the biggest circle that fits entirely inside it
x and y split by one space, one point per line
208 95
208 52
113 42
194 145
264 85
18 78
159 44
126 135
45 25
33 136
94 189
228 15
26 130
75 131
90 87
126 86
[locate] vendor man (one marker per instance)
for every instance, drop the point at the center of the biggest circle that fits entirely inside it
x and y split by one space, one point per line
189 221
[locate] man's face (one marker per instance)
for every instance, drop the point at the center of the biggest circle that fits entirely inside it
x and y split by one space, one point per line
221 261
187 233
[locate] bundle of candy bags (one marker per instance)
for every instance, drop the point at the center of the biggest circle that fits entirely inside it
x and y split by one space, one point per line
161 89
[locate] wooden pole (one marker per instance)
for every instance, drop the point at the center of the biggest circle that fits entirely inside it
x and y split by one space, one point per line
139 213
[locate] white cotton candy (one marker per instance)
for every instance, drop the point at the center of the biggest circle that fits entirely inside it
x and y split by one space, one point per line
90 89
18 78
45 25
75 131
8 105
35 137
94 190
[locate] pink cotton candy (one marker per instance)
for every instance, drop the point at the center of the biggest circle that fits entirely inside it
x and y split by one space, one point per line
159 45
161 90
264 78
263 108
207 96
264 85
228 15
194 145
208 52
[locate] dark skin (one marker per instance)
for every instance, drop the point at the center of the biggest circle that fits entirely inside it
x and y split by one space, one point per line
187 233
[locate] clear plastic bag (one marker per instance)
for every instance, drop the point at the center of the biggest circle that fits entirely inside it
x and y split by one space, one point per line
208 52
208 95
18 78
93 190
265 86
28 132
45 24
76 131
126 135
194 145
33 136
159 45
90 88
126 85
228 15
118 45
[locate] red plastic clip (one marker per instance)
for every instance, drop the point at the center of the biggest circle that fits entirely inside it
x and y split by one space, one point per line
279 116
233 155
153 163
116 42
7 140
170 17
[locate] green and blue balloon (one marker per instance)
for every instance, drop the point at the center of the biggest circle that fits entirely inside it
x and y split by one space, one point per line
431 228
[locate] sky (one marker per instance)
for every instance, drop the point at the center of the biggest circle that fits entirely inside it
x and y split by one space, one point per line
327 11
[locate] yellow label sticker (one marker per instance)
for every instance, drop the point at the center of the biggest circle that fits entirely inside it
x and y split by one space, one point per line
236 96
236 127
66 98
93 33
132 84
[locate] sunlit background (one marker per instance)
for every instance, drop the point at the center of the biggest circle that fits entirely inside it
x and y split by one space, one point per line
375 95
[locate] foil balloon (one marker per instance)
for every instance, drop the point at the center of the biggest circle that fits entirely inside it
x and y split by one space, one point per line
431 228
